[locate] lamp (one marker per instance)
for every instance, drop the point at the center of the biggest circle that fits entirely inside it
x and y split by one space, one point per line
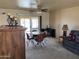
65 28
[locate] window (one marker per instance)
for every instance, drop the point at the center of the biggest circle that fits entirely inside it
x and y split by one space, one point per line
35 23
32 25
26 23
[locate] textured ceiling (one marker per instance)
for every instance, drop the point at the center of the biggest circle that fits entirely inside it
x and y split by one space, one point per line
50 4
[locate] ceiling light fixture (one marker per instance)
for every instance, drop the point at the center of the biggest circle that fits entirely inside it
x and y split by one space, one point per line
27 3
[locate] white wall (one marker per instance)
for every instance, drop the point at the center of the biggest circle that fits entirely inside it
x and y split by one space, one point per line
45 20
3 18
69 16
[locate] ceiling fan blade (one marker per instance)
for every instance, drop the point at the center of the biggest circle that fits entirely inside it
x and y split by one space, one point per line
44 10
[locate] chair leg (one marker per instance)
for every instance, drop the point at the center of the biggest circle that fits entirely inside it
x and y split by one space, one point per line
43 44
38 43
32 42
27 43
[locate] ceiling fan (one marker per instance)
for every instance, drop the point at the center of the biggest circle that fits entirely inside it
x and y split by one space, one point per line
39 8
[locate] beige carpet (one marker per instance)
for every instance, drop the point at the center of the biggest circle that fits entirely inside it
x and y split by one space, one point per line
51 50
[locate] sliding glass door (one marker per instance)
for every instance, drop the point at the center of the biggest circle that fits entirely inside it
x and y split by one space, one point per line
32 24
35 25
25 22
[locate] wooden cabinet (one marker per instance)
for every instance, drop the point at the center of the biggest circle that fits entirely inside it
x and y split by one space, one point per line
12 43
